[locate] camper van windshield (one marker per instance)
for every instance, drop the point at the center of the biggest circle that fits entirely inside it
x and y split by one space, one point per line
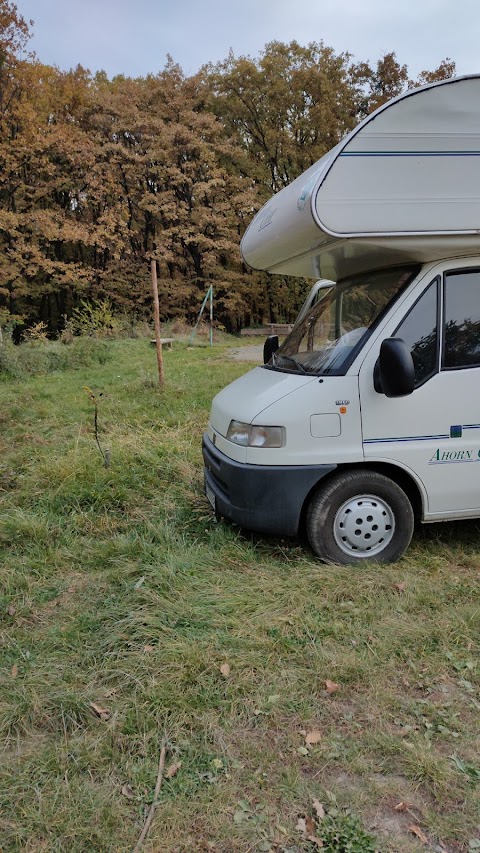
328 337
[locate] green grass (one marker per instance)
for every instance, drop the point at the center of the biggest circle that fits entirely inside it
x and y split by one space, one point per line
119 588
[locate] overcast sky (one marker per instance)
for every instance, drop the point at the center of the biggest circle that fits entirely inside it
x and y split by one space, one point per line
133 37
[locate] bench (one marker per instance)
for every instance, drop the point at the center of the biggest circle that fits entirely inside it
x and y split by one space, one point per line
165 342
270 329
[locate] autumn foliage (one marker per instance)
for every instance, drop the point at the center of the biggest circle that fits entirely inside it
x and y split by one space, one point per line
98 176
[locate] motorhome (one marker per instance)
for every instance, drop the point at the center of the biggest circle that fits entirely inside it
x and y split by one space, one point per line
367 417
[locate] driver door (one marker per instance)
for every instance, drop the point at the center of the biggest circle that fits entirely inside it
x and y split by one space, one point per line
435 432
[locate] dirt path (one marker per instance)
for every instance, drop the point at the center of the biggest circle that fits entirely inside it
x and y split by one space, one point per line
252 352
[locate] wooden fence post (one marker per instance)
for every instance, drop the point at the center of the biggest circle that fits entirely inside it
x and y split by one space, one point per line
156 314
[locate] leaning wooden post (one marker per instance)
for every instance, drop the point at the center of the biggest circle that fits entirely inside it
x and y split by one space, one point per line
156 314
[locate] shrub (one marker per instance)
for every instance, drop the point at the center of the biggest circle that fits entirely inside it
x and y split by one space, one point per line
95 318
36 333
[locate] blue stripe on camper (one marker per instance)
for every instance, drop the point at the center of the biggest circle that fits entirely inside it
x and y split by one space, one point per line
415 437
452 461
405 438
409 154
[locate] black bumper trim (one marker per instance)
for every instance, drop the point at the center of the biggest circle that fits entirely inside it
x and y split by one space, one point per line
265 498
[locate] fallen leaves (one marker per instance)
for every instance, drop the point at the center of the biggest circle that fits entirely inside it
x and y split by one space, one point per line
413 828
400 587
302 824
173 769
418 832
225 670
308 825
405 807
313 737
14 671
331 686
100 711
128 792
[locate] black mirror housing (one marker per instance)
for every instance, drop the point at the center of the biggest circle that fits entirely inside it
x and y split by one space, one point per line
394 375
270 346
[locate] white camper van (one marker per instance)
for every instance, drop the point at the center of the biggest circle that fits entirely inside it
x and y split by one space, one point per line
368 415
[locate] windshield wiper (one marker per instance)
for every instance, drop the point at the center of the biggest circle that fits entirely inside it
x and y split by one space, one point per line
293 361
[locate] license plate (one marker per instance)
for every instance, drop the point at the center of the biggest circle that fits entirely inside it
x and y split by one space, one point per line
210 496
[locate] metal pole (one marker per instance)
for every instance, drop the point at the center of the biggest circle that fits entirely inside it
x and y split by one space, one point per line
199 315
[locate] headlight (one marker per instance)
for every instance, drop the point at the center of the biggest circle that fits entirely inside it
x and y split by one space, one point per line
239 433
256 436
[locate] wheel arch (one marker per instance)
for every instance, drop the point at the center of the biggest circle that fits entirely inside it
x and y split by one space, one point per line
399 476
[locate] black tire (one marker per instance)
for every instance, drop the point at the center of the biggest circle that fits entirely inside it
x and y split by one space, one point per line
359 515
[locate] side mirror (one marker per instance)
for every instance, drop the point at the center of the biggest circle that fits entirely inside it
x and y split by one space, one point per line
270 346
394 373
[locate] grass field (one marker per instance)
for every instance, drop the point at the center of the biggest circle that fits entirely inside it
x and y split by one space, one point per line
128 614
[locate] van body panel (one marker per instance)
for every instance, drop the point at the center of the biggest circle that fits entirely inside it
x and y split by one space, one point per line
294 412
403 186
245 398
412 167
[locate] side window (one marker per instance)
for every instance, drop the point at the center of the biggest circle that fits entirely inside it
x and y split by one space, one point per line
419 331
461 335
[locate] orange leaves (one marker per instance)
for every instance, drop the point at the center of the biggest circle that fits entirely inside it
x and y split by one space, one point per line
331 686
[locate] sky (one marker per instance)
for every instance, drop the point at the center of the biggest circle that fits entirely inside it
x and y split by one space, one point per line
133 37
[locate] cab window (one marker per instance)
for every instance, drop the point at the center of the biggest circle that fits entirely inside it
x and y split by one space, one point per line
419 330
461 332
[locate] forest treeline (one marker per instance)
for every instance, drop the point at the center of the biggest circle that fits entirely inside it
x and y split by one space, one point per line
98 175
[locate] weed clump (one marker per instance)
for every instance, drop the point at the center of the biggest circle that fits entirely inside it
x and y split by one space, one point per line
34 358
342 832
9 366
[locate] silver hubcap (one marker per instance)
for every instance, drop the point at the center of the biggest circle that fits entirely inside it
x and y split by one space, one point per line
364 526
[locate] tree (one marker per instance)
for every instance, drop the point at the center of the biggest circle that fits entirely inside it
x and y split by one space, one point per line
99 176
288 108
48 163
184 201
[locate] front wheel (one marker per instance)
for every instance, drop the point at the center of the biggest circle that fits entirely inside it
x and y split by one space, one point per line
359 515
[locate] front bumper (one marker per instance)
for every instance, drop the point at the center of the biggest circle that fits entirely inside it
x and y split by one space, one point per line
265 498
